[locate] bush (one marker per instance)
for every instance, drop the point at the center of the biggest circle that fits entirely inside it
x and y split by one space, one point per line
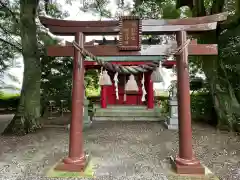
202 108
9 103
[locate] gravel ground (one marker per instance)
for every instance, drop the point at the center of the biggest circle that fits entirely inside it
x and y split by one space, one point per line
120 150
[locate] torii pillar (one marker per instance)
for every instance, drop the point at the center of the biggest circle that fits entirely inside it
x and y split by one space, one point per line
76 160
185 162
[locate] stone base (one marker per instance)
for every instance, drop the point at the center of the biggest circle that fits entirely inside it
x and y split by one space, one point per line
197 169
72 167
172 123
171 126
88 173
86 124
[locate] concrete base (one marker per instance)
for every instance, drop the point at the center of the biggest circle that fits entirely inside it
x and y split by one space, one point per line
193 169
172 174
72 167
86 124
126 113
88 172
171 126
172 123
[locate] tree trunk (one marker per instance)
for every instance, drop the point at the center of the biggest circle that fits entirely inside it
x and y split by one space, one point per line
224 99
28 112
221 86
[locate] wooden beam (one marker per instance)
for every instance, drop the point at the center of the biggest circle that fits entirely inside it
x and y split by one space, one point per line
122 59
175 28
146 30
124 63
89 31
64 27
146 50
187 21
93 64
149 22
113 42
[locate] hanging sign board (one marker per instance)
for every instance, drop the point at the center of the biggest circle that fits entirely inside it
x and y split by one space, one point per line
130 33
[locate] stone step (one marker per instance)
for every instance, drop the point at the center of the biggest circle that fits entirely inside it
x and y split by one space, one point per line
97 106
125 113
123 110
127 118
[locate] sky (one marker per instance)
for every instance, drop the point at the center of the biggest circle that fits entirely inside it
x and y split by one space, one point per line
76 14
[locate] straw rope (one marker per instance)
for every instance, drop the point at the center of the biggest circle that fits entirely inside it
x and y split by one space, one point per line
128 69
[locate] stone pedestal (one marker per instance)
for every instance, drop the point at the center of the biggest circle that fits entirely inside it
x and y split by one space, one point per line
86 118
172 119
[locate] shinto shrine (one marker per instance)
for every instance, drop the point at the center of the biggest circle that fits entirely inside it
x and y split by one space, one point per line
126 69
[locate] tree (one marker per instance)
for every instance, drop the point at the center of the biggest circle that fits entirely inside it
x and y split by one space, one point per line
222 72
9 31
28 111
33 40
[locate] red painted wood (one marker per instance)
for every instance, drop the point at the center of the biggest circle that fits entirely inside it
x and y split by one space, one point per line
131 99
76 160
64 27
104 96
94 65
112 50
150 92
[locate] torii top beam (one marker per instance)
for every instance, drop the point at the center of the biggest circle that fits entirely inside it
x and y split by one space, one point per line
151 26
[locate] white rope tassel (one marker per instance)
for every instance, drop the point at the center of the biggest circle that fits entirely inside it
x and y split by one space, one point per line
143 89
116 85
124 95
100 76
163 73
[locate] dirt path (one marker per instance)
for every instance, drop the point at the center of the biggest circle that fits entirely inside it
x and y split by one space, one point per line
120 150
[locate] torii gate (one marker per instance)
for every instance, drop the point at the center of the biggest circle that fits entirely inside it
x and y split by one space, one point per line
185 162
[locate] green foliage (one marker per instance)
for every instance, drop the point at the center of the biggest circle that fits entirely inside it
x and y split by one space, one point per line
97 7
9 32
164 107
55 10
202 108
196 84
92 85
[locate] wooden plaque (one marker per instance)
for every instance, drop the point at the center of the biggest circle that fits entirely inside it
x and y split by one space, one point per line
130 33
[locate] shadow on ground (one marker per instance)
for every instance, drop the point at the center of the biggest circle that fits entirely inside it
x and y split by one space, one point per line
119 150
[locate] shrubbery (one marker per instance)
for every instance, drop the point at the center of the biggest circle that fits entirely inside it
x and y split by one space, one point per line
201 105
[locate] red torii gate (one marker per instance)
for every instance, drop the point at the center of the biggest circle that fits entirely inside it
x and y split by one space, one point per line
185 162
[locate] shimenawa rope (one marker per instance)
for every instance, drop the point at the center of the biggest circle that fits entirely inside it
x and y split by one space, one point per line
129 69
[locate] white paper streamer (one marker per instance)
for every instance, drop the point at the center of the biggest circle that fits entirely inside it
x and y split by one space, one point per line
162 73
100 75
116 85
143 89
124 95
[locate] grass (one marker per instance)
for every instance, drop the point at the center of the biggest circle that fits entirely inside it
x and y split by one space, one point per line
7 96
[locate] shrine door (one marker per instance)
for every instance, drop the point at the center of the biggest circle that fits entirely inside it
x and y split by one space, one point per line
130 99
